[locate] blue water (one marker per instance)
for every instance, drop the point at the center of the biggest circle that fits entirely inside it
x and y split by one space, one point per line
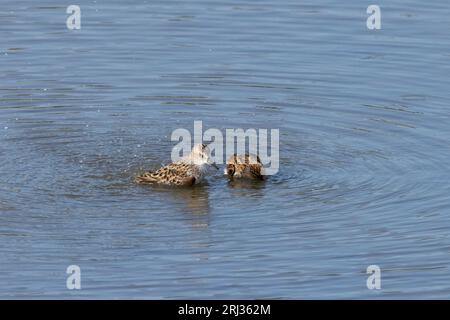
364 149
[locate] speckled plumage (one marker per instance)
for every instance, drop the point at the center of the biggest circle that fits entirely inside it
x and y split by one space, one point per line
245 166
186 172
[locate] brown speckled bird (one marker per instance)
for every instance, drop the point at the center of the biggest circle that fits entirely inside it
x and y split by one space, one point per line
188 171
245 166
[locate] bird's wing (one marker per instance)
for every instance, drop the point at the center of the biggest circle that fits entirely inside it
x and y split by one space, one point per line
174 173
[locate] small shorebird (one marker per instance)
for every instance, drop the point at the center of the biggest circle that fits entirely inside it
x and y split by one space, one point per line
245 166
185 172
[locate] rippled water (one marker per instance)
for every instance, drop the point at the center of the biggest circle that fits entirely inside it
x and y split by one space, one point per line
364 149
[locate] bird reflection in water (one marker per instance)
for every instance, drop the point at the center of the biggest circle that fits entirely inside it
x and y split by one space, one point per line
194 200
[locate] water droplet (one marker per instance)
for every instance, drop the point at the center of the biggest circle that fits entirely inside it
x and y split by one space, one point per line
6 128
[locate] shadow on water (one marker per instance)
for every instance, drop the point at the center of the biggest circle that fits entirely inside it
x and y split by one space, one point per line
193 201
246 187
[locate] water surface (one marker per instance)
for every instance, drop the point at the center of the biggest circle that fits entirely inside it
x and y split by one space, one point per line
364 132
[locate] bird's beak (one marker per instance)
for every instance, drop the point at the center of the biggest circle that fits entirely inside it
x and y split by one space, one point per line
215 165
212 163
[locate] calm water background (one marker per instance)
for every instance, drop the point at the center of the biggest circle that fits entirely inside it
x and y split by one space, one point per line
364 133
